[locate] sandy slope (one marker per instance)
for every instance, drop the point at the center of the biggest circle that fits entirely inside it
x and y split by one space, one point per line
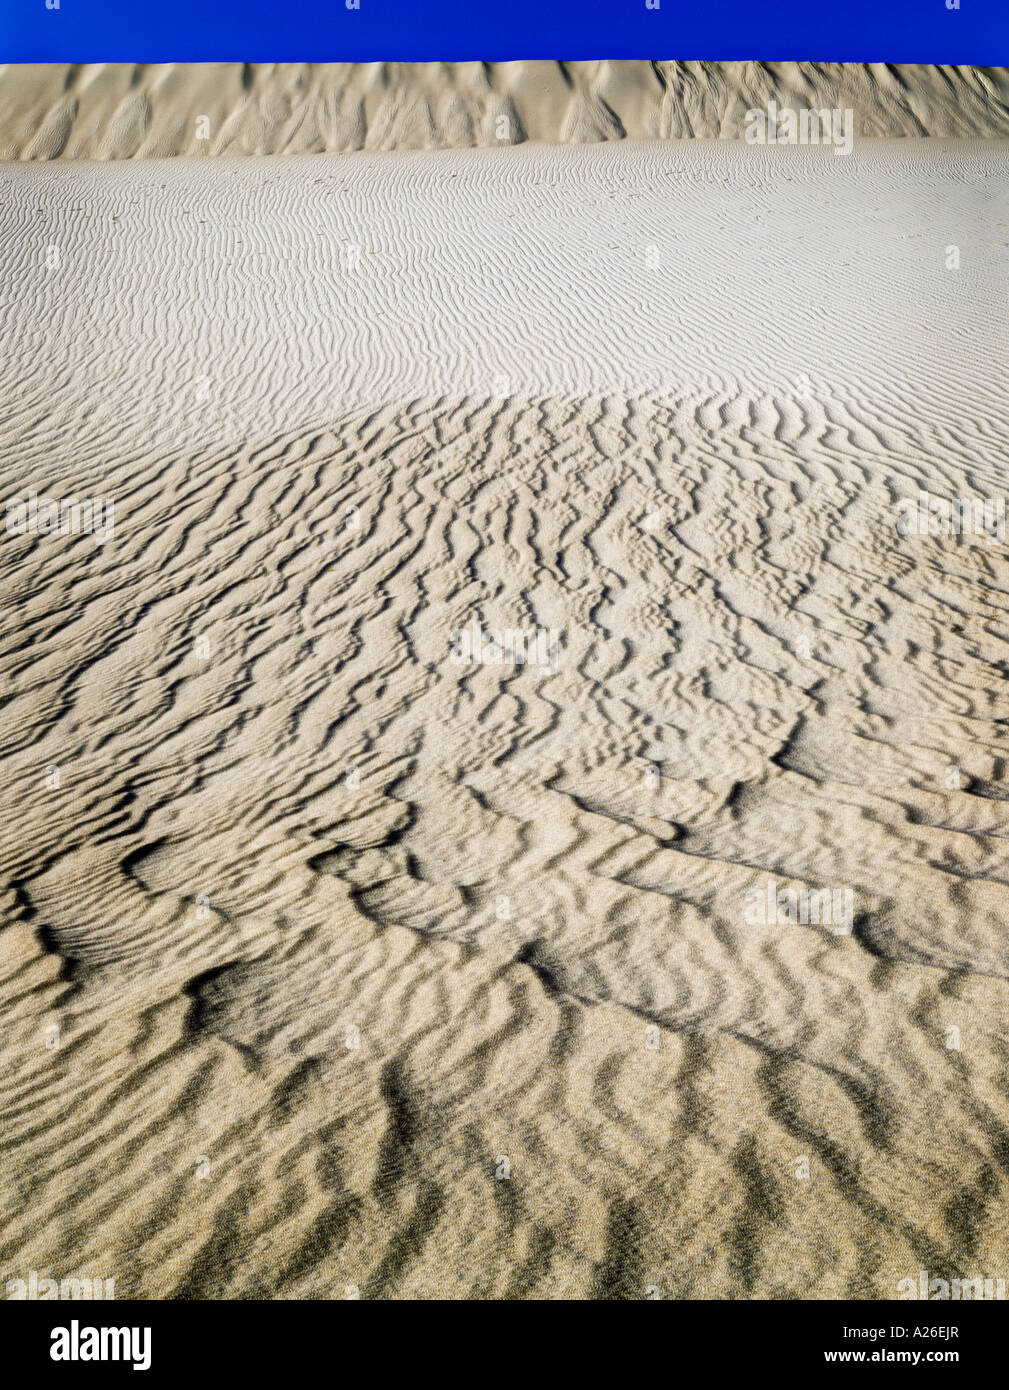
121 110
331 926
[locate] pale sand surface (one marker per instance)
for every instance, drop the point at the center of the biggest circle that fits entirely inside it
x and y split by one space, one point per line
121 110
354 924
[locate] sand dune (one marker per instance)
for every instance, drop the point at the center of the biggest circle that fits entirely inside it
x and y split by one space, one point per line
336 966
122 110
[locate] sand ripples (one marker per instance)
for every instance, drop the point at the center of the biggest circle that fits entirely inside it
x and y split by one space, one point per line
335 932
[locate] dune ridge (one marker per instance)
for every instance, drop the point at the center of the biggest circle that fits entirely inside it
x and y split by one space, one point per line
122 111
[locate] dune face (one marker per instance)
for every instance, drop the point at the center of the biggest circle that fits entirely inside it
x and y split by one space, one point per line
123 111
501 777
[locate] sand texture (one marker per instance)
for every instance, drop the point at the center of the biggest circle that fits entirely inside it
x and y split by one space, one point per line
122 110
334 966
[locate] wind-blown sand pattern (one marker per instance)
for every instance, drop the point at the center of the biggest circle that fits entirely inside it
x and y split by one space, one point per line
375 972
125 110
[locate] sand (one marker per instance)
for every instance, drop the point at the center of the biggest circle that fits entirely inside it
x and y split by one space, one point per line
335 966
125 110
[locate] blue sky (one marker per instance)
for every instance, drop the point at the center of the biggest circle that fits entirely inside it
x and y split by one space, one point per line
258 30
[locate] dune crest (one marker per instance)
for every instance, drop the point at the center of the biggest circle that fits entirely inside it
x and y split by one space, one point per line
124 111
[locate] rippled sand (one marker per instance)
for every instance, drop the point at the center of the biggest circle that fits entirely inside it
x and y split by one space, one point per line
333 965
